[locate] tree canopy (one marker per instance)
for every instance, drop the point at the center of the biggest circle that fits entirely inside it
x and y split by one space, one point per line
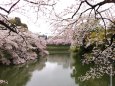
75 11
17 21
74 15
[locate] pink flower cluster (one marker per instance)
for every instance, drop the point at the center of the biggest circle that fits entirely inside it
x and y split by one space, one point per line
21 47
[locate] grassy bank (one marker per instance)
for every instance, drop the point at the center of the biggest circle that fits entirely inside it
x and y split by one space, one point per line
60 49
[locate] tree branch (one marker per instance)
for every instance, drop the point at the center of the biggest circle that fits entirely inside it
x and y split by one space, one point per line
8 11
4 9
36 3
77 9
13 6
7 26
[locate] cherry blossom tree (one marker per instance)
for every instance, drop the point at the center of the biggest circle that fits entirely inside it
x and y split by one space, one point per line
69 17
22 7
72 17
15 50
63 37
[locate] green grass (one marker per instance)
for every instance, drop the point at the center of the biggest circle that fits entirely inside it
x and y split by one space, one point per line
58 49
58 52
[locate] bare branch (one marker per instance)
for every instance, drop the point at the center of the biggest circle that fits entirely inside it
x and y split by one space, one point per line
8 11
39 3
4 9
78 9
7 26
100 3
104 23
88 3
31 2
13 6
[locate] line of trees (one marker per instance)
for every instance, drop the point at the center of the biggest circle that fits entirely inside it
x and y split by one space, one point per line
75 16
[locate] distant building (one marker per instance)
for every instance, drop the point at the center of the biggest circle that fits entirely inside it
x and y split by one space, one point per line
43 37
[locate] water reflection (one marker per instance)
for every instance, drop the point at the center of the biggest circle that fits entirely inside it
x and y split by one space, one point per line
90 74
60 59
19 75
56 72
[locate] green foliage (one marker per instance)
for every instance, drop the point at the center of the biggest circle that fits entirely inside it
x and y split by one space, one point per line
110 32
102 46
19 75
6 54
12 21
97 36
74 48
60 49
17 22
24 25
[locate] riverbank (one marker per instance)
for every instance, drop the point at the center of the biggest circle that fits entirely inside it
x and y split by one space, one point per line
20 48
60 49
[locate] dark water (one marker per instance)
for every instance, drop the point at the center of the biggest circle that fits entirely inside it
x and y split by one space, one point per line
57 70
91 74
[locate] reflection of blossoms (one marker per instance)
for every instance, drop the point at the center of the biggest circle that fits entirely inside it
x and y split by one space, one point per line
3 82
103 61
93 73
94 49
97 72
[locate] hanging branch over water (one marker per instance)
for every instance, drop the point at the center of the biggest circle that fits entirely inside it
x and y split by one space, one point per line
94 8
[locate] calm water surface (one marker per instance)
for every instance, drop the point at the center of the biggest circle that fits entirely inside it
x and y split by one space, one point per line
56 70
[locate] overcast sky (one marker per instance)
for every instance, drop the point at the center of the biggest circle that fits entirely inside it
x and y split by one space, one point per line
41 26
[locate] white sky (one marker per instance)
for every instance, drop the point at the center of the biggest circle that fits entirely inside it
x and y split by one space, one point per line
41 26
37 27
